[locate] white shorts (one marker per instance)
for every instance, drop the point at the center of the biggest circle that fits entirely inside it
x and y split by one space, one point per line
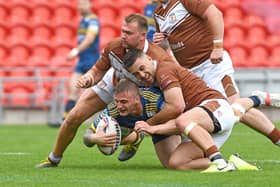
105 88
214 74
225 115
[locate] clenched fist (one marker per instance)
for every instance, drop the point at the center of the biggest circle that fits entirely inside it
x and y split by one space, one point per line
86 81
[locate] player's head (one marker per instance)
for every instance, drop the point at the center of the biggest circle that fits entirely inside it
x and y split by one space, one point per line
84 7
134 30
156 2
127 98
163 1
140 65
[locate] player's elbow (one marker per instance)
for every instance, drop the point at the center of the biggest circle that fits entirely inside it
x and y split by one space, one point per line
179 108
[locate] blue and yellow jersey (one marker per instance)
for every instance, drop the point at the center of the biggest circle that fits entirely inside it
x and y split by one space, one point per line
149 14
152 102
90 24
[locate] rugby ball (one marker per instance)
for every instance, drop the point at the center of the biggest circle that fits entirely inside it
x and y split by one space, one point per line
112 126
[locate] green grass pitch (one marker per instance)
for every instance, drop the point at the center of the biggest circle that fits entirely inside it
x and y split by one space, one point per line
23 146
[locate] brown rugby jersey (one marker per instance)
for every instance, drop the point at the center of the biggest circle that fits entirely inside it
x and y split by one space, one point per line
194 89
189 36
113 55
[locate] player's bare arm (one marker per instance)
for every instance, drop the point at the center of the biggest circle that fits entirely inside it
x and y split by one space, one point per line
93 76
174 106
161 40
90 37
100 138
215 20
168 128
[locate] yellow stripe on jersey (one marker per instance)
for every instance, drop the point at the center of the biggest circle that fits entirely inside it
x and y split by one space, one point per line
85 31
91 16
150 96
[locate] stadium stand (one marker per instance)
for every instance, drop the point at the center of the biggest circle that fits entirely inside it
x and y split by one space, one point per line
36 35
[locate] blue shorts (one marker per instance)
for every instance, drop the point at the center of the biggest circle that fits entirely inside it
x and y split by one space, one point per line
83 66
158 137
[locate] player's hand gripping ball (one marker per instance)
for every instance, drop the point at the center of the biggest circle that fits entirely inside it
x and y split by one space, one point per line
112 126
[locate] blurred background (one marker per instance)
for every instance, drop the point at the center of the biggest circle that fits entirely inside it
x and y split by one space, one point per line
36 35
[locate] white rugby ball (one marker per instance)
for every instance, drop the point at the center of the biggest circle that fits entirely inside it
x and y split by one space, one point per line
112 127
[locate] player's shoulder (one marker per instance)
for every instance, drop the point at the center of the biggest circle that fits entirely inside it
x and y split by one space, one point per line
115 46
91 17
157 53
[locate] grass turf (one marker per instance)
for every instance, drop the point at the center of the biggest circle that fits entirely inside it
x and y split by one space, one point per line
23 146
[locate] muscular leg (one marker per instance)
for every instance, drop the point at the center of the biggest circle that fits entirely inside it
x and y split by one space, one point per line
88 104
165 147
257 120
188 156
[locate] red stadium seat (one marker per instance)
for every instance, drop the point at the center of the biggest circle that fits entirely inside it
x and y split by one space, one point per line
274 39
4 10
21 30
20 11
65 32
42 31
19 97
259 56
253 20
273 23
42 11
4 52
65 10
107 9
108 32
60 61
239 54
19 53
4 29
257 34
274 60
42 49
235 33
235 12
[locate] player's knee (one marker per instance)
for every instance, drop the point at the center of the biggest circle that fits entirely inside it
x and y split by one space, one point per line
238 110
173 164
72 121
180 123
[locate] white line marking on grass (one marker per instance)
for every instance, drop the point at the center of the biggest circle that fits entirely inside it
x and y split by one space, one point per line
267 161
13 153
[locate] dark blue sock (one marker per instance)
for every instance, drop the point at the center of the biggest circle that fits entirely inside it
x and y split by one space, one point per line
69 105
255 100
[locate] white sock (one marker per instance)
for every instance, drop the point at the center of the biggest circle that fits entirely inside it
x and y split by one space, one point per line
217 158
53 158
277 143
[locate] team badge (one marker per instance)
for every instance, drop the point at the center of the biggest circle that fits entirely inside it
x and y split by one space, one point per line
220 113
172 18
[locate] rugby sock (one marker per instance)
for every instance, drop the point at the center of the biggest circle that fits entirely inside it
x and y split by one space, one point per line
215 156
69 105
256 100
274 136
54 159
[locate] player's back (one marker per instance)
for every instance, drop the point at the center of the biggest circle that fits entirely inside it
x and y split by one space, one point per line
193 88
189 36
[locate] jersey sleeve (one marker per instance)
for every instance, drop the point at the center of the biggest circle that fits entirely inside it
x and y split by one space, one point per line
103 63
93 26
196 7
166 76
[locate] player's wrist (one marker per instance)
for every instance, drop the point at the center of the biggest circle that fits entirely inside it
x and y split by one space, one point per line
74 52
218 44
